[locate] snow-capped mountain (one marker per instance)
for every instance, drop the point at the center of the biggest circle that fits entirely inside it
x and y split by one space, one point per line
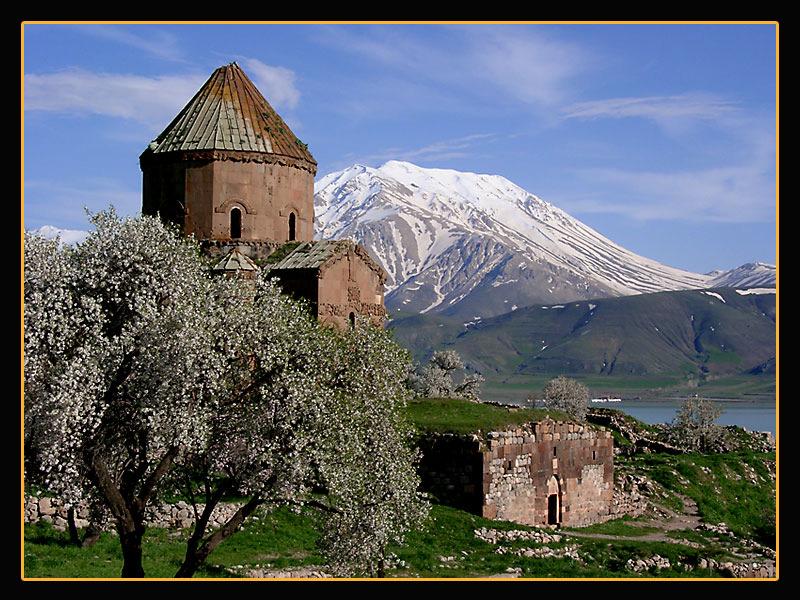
478 245
750 275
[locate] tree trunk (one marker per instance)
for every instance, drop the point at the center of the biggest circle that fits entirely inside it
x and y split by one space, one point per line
73 529
128 510
381 568
195 557
91 535
132 553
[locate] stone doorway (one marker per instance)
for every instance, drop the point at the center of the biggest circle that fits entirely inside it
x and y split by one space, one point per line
553 501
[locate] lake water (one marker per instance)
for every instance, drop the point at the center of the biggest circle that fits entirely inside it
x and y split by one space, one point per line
755 416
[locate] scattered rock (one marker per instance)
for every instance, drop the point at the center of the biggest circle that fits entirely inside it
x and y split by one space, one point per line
495 536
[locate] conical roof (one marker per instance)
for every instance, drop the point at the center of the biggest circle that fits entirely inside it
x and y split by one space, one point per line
229 113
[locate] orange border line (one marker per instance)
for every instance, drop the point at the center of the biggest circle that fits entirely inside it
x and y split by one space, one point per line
597 579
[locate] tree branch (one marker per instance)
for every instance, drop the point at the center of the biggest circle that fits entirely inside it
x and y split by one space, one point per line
161 470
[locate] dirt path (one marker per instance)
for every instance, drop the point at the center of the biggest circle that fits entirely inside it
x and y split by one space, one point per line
688 520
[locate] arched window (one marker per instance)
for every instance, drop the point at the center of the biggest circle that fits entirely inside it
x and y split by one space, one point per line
352 320
236 223
292 228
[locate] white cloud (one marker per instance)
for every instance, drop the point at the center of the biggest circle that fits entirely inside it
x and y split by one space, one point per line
276 83
697 105
66 236
156 42
736 194
153 101
498 64
441 150
533 67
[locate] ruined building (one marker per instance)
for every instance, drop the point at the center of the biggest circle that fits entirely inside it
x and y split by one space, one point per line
229 171
546 473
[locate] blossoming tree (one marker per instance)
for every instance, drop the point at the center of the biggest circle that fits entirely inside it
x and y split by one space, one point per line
141 370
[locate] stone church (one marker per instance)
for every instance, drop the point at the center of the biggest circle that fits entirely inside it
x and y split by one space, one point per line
543 473
229 171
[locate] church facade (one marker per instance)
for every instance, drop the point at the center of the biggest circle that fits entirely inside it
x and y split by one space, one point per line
229 171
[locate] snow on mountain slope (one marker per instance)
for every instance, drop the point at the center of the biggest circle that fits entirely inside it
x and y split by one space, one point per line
471 244
748 275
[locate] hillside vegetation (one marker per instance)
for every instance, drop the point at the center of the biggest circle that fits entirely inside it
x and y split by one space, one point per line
687 335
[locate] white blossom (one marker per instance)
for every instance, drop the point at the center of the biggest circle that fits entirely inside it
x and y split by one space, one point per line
141 365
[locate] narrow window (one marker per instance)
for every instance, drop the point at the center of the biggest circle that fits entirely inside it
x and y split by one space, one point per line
292 234
594 455
554 450
352 320
236 223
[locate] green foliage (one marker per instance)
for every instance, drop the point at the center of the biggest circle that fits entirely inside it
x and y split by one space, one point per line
631 336
448 415
279 254
285 539
734 488
616 527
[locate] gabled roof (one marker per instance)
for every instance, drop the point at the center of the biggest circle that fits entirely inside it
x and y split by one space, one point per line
317 255
235 261
229 113
311 255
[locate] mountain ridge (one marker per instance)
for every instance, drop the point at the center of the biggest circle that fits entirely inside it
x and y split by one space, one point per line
690 333
454 242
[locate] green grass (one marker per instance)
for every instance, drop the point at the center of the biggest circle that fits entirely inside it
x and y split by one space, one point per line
719 356
719 484
280 253
281 539
462 416
617 527
48 553
285 539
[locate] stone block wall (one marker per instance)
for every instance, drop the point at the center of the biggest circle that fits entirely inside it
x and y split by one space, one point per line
198 190
351 284
452 470
544 473
179 515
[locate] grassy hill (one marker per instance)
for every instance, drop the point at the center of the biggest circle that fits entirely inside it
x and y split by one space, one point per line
448 415
737 488
684 335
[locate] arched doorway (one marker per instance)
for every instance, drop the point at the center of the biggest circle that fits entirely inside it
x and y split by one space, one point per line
292 227
553 501
236 223
352 319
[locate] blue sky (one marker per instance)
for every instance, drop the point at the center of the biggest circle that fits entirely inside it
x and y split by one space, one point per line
661 137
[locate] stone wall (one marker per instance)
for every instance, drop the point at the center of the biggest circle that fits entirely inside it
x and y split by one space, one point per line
568 461
199 192
351 284
173 516
452 470
543 473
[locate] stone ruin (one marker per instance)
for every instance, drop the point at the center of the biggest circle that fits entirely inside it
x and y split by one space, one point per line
545 473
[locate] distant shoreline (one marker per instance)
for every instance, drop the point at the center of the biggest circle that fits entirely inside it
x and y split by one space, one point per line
753 400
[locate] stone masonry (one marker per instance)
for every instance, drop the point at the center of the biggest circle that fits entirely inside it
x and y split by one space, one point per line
179 515
544 473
